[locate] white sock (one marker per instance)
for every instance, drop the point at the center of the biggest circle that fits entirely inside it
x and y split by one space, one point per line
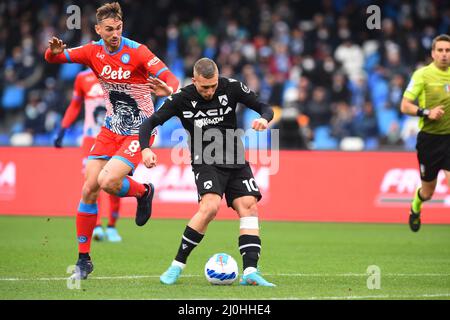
249 270
178 264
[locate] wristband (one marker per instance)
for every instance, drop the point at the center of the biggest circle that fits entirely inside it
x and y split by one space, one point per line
423 113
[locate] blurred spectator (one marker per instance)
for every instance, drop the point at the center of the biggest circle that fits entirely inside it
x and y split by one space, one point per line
366 126
342 121
317 60
35 114
339 88
318 109
291 134
396 89
351 56
393 137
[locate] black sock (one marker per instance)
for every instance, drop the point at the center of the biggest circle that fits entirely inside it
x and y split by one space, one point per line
250 248
189 241
147 190
84 256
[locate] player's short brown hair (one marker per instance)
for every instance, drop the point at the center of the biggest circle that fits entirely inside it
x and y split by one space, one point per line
441 37
206 68
109 10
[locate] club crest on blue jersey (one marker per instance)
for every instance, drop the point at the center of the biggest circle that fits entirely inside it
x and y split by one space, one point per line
125 58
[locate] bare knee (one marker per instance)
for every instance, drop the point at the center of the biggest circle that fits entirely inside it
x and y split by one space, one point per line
90 191
109 184
246 206
426 195
209 209
249 209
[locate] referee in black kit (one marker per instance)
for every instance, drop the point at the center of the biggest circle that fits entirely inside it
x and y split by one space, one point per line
207 110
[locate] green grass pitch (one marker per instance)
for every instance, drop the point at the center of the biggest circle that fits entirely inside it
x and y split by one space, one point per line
305 260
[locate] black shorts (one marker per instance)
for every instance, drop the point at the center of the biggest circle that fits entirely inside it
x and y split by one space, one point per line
234 183
433 153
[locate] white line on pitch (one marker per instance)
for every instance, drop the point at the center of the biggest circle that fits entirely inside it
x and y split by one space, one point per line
438 295
276 275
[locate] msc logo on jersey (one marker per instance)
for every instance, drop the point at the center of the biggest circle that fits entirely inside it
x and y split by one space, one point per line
223 99
125 58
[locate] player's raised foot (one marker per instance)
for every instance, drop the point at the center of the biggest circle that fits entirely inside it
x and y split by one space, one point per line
83 268
414 221
171 275
112 235
255 279
144 207
98 234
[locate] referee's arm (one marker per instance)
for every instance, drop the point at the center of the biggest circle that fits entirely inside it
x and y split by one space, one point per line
408 107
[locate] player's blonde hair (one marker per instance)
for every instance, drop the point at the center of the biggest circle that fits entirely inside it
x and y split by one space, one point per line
109 10
441 37
206 68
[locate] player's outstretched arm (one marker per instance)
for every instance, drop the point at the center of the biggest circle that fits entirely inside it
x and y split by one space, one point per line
57 53
56 45
160 88
167 111
164 82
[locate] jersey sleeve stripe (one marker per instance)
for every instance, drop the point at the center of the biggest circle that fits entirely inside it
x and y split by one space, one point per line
161 71
66 53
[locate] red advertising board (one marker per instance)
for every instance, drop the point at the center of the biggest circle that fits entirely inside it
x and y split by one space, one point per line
303 186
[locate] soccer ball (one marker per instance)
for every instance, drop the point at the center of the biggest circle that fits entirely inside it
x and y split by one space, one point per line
221 269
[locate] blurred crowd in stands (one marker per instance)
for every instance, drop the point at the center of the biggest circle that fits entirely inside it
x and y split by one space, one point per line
333 83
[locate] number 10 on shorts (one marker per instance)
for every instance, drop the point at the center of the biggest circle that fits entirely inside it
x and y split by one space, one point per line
251 185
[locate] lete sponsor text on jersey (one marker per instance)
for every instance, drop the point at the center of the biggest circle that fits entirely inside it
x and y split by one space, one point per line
109 73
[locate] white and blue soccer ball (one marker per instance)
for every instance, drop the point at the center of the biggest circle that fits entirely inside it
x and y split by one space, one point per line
221 269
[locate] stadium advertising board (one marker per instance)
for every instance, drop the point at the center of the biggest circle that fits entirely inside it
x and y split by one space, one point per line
309 186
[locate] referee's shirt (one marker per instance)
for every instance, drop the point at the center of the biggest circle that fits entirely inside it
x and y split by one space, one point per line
431 87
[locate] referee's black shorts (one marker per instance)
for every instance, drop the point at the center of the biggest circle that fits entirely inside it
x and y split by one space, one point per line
433 153
235 183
